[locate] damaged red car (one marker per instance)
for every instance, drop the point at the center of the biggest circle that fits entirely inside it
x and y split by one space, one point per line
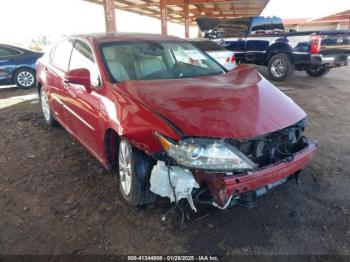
172 121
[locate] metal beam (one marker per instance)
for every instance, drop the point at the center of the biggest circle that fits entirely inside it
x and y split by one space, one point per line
219 8
163 16
109 12
187 20
181 2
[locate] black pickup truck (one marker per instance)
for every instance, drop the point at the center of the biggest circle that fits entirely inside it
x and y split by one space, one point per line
264 41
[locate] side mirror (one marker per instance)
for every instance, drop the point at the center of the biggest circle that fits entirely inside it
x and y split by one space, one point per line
79 76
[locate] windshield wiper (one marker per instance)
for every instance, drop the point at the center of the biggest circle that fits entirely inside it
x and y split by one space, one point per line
211 74
182 75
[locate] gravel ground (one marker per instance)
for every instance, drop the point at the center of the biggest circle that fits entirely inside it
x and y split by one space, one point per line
56 199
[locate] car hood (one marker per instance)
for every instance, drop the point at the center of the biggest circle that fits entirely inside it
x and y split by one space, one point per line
239 104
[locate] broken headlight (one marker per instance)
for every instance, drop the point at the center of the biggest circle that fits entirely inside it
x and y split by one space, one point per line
209 154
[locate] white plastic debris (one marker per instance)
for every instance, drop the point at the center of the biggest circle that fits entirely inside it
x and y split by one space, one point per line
182 183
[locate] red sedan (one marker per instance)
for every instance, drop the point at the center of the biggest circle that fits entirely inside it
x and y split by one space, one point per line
171 120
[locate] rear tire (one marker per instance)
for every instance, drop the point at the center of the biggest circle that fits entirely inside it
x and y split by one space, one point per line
24 78
45 106
280 67
317 71
134 168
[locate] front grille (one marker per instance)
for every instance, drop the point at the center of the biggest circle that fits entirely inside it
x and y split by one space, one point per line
273 147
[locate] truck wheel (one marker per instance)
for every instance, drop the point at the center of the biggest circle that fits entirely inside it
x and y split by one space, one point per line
134 175
317 71
24 78
280 67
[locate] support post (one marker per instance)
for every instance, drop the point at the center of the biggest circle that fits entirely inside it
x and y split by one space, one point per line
187 18
109 10
200 35
163 16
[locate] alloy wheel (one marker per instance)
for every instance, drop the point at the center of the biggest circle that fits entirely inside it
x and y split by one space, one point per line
278 68
45 104
25 78
125 170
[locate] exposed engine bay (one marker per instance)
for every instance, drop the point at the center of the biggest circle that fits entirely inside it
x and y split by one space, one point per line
207 187
274 147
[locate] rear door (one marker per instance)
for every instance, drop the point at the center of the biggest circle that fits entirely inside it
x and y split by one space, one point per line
84 106
7 65
58 65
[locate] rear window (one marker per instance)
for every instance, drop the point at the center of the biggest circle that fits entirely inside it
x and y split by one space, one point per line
233 28
263 25
207 46
5 51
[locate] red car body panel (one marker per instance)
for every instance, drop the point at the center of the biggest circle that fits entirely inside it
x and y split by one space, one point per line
239 104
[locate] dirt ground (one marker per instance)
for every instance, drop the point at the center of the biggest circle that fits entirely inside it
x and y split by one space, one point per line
56 199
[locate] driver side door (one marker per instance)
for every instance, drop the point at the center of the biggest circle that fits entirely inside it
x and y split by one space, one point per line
83 104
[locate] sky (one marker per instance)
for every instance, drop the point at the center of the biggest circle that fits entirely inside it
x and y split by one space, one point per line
21 20
305 8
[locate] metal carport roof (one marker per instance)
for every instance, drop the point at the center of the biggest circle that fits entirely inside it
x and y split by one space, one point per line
186 11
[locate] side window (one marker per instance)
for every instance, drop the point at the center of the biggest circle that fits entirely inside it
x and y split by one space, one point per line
82 57
60 56
263 25
7 52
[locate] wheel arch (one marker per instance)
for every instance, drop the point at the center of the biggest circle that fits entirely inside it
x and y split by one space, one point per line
111 141
278 48
21 68
39 86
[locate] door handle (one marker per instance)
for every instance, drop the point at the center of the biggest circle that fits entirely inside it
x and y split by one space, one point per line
66 84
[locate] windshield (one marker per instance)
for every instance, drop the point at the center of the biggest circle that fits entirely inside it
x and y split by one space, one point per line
156 60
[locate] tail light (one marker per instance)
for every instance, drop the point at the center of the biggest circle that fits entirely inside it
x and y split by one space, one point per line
315 44
227 59
233 59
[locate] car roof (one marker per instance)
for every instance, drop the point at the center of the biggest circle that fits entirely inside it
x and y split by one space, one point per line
111 37
15 48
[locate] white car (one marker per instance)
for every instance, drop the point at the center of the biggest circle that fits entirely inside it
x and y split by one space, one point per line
223 56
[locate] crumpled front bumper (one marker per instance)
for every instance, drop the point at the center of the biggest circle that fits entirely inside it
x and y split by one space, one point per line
270 174
222 187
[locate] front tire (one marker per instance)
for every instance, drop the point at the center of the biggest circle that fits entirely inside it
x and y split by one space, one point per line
134 168
280 67
317 71
24 78
45 106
